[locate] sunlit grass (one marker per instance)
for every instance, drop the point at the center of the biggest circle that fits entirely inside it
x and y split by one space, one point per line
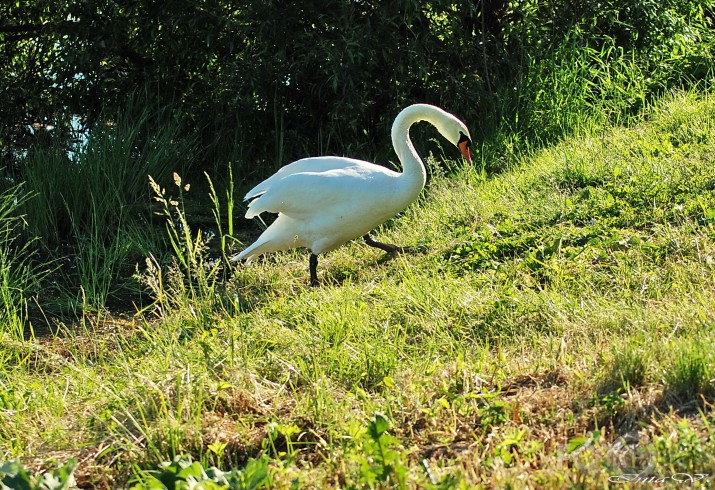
19 275
553 328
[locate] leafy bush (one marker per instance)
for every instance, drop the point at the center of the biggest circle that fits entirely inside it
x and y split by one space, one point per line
183 474
14 476
376 454
329 76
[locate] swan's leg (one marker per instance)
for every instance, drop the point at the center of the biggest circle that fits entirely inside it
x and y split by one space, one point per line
314 270
389 248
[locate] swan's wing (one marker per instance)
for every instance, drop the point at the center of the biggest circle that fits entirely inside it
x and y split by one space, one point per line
306 165
307 195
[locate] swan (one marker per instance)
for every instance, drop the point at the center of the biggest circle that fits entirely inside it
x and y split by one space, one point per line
324 202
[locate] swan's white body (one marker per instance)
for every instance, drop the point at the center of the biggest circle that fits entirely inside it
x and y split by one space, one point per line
324 202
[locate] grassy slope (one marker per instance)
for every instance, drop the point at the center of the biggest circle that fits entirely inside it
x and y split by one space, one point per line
554 328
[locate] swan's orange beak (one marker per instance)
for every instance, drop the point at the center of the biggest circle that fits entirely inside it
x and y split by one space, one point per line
464 148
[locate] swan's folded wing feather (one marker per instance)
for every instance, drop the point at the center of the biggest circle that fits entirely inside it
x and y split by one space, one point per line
308 194
306 165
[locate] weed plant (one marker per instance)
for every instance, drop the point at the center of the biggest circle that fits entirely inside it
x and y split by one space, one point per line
190 281
191 278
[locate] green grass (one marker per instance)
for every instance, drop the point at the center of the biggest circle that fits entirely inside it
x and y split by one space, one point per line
19 275
93 204
554 329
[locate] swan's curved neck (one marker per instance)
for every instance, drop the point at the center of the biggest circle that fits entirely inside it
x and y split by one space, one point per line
413 170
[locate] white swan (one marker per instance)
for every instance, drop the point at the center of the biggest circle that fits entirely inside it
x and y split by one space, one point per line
324 202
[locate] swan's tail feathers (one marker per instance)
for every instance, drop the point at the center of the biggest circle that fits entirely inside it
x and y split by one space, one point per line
259 205
253 251
253 210
279 236
238 257
254 193
257 190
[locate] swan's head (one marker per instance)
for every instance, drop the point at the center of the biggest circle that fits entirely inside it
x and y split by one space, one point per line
448 125
455 131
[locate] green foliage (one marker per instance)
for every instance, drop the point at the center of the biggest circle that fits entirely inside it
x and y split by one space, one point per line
100 185
93 202
506 449
682 450
19 274
182 474
13 476
281 441
610 213
225 234
582 442
261 84
328 76
379 459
